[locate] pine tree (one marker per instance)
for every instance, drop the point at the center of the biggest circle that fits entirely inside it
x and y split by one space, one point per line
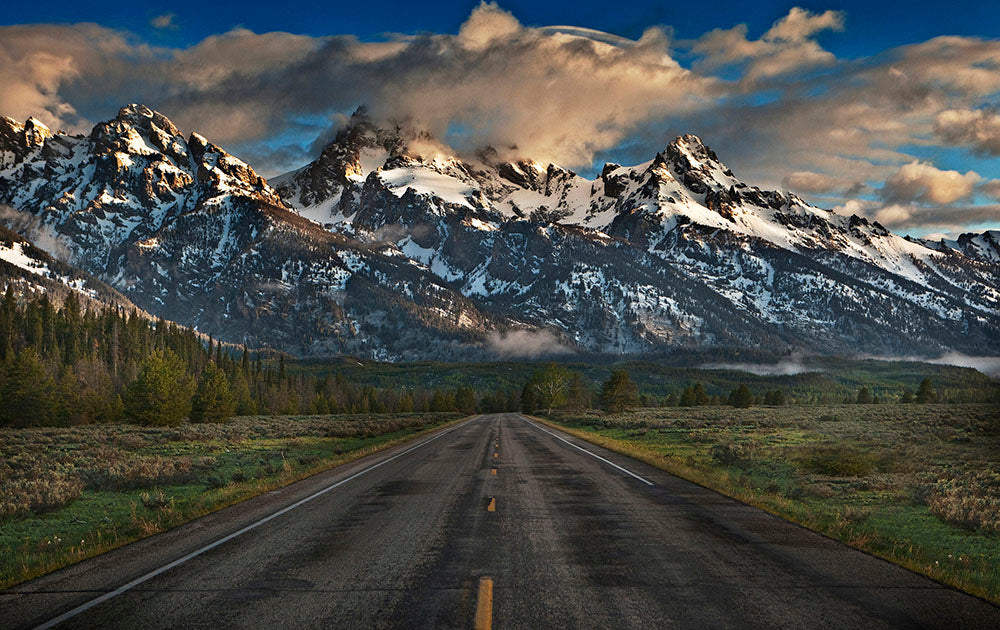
741 397
619 392
926 393
864 397
27 392
213 401
774 398
245 404
161 394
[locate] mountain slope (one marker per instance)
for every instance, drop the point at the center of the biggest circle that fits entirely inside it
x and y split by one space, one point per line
674 251
193 234
389 246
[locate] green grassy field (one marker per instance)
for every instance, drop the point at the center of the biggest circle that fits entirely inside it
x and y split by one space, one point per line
916 484
71 493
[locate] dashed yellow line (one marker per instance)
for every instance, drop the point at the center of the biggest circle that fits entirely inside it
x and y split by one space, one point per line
484 605
492 507
496 455
493 472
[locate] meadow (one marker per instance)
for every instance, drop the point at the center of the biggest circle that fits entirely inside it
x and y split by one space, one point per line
916 484
71 493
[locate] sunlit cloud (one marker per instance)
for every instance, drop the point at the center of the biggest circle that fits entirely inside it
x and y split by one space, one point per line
831 129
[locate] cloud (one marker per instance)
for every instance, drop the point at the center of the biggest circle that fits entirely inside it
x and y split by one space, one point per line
525 344
909 217
784 48
920 181
779 109
810 182
35 230
487 24
785 367
800 24
979 129
987 365
164 21
549 93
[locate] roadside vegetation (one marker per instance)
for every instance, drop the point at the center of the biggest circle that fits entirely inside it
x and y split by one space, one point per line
918 484
71 493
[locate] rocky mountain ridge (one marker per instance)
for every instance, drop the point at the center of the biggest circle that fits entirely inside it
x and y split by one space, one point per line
389 246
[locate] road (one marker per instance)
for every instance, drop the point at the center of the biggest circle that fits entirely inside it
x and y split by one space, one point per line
427 535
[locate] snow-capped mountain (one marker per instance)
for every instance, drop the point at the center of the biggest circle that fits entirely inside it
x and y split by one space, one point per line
391 246
192 234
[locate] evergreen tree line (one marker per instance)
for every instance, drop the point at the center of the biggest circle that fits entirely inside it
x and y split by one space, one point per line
66 365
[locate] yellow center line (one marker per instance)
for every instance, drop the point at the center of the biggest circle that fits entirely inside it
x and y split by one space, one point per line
496 454
493 472
484 605
492 507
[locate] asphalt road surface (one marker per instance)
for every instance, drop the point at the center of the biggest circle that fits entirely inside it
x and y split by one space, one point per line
427 535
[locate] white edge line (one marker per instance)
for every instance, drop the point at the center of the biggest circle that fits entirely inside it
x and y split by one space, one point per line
603 459
179 561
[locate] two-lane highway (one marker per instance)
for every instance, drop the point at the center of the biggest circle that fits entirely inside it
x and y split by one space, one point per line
498 522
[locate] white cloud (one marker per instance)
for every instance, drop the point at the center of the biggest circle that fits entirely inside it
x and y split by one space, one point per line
487 24
979 129
525 344
800 24
920 181
784 48
164 21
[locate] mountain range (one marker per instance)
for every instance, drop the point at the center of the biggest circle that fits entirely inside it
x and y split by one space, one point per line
389 245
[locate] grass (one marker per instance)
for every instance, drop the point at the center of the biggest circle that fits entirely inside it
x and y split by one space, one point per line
67 494
918 485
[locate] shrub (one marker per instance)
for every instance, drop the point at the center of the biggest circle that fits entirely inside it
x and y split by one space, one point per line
733 453
155 500
971 500
837 461
128 472
48 491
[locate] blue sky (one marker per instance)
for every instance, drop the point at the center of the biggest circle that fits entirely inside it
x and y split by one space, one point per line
872 26
860 106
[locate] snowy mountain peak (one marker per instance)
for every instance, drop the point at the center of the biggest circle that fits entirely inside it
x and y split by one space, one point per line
422 251
35 132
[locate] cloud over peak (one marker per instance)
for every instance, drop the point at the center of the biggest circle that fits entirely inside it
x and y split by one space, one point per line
778 107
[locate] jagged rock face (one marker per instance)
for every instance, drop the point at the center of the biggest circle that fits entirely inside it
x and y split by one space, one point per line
675 251
193 234
389 246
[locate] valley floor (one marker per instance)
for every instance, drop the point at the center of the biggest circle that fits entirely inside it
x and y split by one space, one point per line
495 522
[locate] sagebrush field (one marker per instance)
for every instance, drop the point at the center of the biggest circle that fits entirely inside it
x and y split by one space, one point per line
70 493
916 484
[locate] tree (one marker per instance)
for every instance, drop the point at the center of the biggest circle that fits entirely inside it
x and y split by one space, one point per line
161 394
741 397
551 385
27 397
619 392
926 393
578 396
443 401
245 404
864 396
465 400
213 401
774 398
907 397
529 398
694 396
